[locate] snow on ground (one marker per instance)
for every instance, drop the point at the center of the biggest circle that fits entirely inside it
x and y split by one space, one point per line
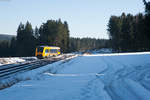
12 60
89 77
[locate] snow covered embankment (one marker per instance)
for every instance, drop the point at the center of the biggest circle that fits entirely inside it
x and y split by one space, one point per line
33 74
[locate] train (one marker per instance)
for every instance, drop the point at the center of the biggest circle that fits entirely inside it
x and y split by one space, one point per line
47 51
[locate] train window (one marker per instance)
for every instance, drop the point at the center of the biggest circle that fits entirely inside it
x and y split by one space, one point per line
58 50
53 50
46 51
40 49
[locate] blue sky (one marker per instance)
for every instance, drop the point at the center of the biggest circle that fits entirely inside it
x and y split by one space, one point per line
86 18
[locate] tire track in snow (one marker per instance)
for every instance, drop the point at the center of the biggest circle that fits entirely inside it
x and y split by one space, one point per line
118 87
94 90
110 77
109 73
118 90
141 74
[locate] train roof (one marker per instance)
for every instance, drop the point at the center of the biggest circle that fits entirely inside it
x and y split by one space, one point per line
49 46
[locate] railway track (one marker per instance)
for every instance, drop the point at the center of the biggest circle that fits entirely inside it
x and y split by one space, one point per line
7 71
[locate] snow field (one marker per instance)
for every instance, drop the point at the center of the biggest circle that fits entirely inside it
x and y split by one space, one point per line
89 77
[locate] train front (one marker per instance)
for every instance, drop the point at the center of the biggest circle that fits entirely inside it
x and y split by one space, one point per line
39 52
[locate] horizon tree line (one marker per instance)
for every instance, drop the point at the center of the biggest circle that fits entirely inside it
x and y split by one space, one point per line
130 33
51 33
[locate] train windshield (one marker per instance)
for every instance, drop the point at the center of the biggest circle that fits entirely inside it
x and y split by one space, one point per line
40 49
